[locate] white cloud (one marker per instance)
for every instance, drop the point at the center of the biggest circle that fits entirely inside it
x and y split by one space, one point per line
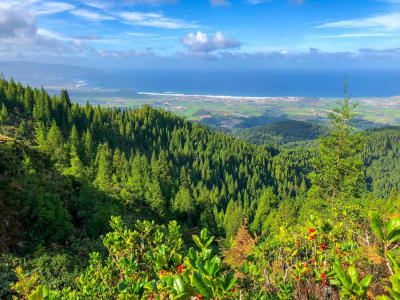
220 3
46 8
127 53
19 35
387 22
153 20
41 7
16 21
141 34
91 15
355 35
202 43
95 4
102 4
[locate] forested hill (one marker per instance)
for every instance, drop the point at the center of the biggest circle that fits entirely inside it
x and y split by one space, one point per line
142 161
281 132
66 169
381 154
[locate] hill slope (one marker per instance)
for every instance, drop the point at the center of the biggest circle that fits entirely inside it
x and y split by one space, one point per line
281 132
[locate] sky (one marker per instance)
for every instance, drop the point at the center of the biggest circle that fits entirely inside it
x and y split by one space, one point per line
203 34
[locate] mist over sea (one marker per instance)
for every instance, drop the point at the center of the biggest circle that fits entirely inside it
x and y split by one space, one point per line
254 83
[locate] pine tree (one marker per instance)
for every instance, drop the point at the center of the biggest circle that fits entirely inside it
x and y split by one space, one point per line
184 202
155 198
74 141
233 219
76 169
55 142
392 203
28 100
104 168
88 147
339 170
22 128
3 115
266 203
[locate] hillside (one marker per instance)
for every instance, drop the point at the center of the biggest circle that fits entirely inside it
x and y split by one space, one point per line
67 171
150 159
281 132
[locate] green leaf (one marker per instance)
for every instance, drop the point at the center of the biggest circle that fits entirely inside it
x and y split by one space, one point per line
352 271
229 282
215 266
393 225
342 276
204 234
200 286
393 293
201 267
393 262
196 239
122 286
169 281
179 285
192 254
210 240
366 281
151 285
182 296
394 236
37 294
376 224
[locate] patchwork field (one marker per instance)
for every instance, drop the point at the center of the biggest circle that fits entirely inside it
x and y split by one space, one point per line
244 112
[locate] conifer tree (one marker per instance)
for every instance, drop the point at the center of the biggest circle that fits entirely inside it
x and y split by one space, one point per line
104 168
74 141
393 202
3 115
76 169
22 128
155 198
28 100
266 203
339 169
55 142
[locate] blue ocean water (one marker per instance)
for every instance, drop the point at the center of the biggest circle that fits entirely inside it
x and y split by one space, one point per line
254 83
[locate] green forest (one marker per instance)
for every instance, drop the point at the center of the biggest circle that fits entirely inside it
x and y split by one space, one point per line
138 203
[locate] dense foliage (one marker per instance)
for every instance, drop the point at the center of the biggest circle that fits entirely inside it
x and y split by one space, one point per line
66 169
281 132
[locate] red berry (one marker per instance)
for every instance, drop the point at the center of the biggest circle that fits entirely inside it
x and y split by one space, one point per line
313 236
233 290
199 296
298 243
306 266
312 230
313 260
323 275
181 268
324 282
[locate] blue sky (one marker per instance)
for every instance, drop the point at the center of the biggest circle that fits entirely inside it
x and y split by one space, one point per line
220 34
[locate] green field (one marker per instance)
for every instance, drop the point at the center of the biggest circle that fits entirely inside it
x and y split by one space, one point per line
231 112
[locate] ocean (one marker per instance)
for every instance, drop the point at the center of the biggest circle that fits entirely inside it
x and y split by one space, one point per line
253 83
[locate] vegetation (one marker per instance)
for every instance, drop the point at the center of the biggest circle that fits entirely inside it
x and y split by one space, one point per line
281 132
105 203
